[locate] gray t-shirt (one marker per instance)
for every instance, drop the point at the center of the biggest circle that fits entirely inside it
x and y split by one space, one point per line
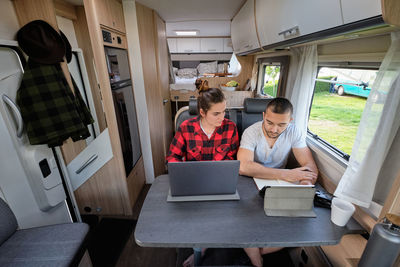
276 157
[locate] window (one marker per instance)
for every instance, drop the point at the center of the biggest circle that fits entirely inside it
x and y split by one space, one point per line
339 99
272 76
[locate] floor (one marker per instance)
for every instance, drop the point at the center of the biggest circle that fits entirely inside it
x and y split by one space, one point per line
133 255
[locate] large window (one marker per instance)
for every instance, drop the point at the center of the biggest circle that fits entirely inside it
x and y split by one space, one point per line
339 98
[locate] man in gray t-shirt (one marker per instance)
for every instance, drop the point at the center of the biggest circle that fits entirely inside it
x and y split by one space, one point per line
264 150
265 147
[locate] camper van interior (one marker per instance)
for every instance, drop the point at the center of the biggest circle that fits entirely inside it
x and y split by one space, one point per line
96 96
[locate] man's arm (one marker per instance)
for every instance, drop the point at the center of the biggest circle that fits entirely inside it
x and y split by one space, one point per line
250 168
305 159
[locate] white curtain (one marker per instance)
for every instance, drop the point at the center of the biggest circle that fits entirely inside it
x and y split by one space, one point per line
379 124
303 87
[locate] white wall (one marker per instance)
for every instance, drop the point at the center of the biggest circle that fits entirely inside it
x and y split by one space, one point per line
135 58
67 27
205 28
8 20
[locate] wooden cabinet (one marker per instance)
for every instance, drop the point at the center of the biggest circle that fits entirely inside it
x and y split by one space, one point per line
111 14
227 45
172 45
243 29
282 20
211 45
354 10
188 45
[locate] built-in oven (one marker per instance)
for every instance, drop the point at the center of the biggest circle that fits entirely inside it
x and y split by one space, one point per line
124 104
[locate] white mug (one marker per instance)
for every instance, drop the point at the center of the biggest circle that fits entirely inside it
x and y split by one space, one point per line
341 211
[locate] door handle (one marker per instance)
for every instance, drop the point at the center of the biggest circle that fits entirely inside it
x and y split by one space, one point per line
165 101
87 163
17 113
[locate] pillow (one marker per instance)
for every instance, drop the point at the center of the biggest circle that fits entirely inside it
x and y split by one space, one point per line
220 68
210 67
187 73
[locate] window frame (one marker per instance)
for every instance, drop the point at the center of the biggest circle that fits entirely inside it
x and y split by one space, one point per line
283 74
343 65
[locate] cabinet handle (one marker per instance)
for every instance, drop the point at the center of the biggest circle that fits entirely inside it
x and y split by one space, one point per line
87 163
293 30
165 101
15 109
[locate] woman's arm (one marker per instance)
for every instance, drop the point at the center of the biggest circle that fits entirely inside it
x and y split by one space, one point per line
177 149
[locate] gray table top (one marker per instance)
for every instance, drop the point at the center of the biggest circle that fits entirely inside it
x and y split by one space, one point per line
228 224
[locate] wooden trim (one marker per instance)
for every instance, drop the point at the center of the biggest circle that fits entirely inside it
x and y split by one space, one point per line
83 38
392 203
391 11
64 9
136 180
350 248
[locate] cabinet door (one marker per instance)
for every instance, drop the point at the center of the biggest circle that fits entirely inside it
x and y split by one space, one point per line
211 45
354 10
172 45
188 45
117 12
228 45
103 12
243 29
276 18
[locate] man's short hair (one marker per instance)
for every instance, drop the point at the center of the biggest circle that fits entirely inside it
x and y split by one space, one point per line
280 105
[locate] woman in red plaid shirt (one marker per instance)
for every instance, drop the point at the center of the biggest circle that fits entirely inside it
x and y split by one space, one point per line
210 136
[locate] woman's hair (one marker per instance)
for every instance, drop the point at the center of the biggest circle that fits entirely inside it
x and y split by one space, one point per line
207 96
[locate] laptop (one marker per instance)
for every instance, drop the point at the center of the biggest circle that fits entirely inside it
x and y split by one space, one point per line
203 180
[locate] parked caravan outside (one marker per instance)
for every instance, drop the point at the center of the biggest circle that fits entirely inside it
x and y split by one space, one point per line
99 97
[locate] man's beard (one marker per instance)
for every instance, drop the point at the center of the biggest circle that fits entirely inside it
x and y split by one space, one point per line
274 136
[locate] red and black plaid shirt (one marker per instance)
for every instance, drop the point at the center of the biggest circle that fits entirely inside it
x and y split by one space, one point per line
192 144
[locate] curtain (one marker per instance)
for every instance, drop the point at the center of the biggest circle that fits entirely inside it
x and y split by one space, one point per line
378 126
303 87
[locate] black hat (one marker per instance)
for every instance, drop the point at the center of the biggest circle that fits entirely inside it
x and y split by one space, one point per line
68 48
41 42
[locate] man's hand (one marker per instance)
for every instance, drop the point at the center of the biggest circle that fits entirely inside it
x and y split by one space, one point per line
304 175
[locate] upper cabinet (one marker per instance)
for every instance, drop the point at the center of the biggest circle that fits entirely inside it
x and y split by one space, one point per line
275 21
227 45
172 45
211 45
285 19
354 10
200 45
188 45
111 14
243 29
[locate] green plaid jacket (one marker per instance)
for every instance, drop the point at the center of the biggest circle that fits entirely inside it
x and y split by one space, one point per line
51 112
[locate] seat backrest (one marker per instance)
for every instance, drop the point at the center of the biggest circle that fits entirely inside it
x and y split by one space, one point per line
8 222
252 112
185 113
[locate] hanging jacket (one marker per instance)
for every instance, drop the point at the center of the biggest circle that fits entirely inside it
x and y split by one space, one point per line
50 110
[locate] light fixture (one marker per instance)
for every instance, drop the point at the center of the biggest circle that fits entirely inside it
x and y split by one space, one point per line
187 33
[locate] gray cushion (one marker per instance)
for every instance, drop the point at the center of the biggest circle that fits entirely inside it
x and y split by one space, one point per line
54 245
8 222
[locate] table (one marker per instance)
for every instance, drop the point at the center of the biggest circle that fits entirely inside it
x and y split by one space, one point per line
230 224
